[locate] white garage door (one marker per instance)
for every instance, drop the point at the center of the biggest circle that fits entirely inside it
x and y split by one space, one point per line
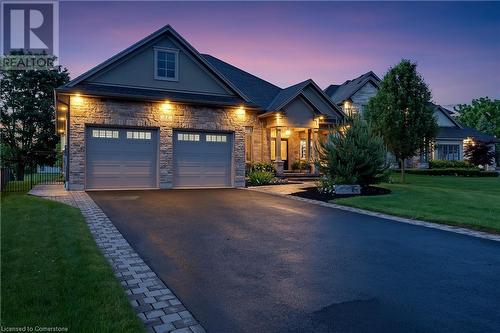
121 158
202 159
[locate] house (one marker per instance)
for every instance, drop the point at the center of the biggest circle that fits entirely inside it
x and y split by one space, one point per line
353 96
161 115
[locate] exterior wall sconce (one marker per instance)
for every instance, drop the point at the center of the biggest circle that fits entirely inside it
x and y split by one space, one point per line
166 111
468 141
76 100
240 112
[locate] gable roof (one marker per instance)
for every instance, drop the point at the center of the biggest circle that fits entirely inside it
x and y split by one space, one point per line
285 95
145 41
445 112
339 93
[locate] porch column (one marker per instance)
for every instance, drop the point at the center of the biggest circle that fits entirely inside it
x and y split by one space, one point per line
308 144
314 152
278 163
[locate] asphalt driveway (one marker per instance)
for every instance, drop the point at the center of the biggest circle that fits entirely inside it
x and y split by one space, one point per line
244 261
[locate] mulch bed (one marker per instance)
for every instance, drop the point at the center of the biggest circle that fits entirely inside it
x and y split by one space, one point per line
313 193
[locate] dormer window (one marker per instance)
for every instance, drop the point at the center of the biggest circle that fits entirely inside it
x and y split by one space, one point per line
166 64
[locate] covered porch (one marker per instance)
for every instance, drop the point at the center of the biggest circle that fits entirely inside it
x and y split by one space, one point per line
292 147
294 124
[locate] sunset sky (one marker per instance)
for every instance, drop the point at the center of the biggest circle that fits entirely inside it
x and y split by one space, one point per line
456 44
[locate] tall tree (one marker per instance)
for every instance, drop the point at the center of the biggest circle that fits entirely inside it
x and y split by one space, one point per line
27 113
401 114
482 114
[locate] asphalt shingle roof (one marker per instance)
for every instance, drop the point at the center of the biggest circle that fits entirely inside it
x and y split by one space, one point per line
153 94
286 94
465 132
340 93
258 90
330 90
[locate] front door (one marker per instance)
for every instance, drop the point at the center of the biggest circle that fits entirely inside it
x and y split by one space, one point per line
284 152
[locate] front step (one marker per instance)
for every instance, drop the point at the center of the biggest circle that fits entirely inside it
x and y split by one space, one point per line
299 176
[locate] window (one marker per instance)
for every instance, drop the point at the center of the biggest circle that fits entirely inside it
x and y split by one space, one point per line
448 152
248 144
188 137
138 135
105 134
303 150
216 138
166 64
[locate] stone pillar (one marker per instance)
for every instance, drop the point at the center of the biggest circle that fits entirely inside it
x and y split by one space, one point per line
278 163
314 150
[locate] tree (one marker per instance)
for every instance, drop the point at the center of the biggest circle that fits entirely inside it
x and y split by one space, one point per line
479 153
401 114
27 114
353 155
482 114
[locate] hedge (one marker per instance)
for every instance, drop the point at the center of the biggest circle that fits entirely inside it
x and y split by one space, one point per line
444 164
453 172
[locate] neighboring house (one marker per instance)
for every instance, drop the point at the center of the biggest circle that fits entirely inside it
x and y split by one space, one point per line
353 96
160 115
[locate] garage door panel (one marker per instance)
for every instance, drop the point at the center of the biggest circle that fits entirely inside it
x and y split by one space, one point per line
121 162
201 161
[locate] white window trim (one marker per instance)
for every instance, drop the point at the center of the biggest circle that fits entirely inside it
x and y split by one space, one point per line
166 49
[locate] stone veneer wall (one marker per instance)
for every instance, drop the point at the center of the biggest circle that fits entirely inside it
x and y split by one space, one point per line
88 111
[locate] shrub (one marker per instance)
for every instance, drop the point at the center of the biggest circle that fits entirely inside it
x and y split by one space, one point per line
326 185
479 153
353 155
454 172
305 165
301 165
444 164
257 178
260 166
296 165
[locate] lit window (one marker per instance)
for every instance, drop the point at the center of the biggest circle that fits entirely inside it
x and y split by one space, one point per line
166 64
138 135
188 137
303 149
216 138
105 134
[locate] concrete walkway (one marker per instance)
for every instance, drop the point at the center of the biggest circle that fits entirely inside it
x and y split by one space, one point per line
159 309
284 189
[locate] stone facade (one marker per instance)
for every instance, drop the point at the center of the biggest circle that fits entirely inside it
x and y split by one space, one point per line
166 118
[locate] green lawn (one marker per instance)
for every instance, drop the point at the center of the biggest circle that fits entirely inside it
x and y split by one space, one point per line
464 201
52 273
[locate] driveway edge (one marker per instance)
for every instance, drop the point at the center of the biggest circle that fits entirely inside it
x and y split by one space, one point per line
444 227
155 304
